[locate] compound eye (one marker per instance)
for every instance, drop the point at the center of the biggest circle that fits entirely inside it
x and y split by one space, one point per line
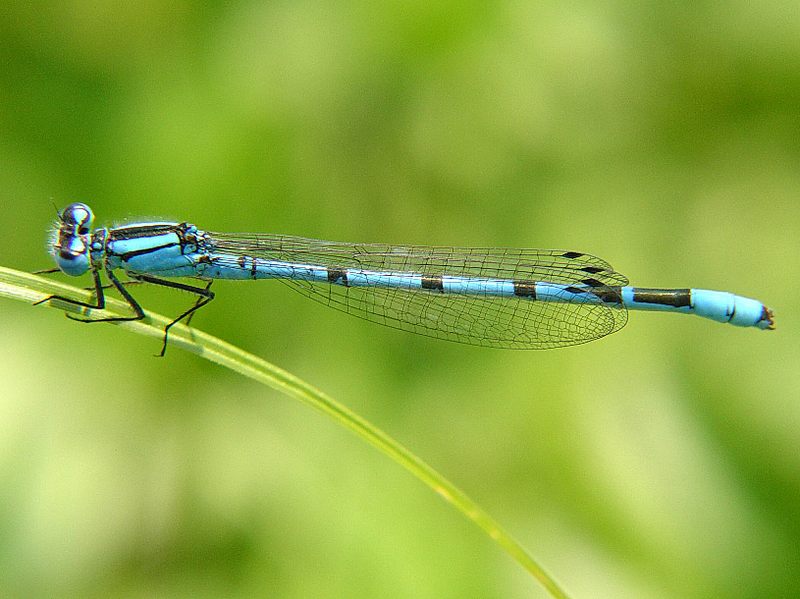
72 257
79 216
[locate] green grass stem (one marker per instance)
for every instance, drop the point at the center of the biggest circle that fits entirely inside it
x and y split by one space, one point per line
32 288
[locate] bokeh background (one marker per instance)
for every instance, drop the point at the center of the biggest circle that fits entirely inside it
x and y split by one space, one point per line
662 461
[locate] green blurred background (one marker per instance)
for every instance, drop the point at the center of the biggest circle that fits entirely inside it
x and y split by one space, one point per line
662 461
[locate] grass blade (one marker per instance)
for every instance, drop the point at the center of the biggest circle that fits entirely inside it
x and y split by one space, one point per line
32 288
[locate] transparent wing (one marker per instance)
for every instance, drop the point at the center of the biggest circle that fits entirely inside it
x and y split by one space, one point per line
504 322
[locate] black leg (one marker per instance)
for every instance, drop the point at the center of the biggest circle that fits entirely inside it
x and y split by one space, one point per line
204 296
49 271
199 299
203 293
100 300
123 283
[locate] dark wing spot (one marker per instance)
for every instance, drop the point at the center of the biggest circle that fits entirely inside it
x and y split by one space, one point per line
592 283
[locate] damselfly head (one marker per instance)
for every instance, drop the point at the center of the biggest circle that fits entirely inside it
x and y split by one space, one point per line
70 241
78 218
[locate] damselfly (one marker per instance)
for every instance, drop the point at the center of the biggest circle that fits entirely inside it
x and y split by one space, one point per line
494 297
